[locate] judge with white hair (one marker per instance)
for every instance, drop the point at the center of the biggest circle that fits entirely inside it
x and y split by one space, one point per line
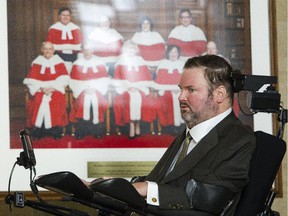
46 81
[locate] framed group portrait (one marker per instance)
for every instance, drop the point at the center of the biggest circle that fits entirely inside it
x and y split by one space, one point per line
232 25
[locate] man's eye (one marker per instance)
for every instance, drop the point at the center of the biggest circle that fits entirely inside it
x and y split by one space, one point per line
191 90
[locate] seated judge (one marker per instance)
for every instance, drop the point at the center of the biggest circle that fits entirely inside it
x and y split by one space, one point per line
167 79
216 151
133 101
46 107
212 49
89 83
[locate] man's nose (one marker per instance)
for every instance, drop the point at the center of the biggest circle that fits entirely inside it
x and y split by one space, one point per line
181 96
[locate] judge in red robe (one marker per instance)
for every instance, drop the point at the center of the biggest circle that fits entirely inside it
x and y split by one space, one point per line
47 80
133 101
66 37
166 82
107 43
150 43
190 38
89 83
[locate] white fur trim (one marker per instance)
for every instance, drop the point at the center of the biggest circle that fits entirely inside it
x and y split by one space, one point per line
135 105
91 100
123 85
59 26
59 84
167 87
126 60
170 66
54 60
106 37
186 34
44 114
90 63
78 86
147 38
66 47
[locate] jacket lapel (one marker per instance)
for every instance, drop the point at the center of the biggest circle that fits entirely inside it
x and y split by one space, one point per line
201 149
158 173
191 160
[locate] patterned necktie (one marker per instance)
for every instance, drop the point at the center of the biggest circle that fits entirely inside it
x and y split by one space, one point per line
184 150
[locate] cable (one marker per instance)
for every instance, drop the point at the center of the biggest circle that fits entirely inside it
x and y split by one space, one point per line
282 119
33 186
9 198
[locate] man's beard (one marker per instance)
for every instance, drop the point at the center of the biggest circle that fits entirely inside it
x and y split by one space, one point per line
193 118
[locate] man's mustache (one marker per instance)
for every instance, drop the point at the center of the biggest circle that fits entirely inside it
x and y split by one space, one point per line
184 104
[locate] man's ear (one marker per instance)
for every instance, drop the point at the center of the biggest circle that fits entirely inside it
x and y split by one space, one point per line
220 94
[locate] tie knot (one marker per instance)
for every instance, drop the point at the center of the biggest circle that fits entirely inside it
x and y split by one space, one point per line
188 138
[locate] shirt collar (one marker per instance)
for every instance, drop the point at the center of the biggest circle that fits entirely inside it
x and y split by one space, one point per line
200 130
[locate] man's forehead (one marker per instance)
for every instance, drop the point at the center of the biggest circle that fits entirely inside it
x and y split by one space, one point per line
48 45
192 77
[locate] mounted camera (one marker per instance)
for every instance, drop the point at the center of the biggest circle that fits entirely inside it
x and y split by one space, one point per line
266 101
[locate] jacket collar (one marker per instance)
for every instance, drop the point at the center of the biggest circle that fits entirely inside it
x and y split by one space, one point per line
200 150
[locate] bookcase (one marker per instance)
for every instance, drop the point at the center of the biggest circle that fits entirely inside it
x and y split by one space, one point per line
237 46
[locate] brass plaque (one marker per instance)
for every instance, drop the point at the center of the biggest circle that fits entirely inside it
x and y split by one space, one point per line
119 169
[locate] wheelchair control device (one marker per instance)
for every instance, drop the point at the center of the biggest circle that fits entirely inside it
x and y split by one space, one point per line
27 157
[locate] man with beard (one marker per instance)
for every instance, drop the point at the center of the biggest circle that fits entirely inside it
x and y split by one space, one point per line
217 159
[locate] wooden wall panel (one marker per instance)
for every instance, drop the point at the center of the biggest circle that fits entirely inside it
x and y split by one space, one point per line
28 22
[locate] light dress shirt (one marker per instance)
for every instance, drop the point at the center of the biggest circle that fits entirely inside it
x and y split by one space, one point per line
197 133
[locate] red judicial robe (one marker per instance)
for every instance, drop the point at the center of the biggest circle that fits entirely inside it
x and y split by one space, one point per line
137 104
166 82
47 109
191 40
151 47
107 44
89 83
66 38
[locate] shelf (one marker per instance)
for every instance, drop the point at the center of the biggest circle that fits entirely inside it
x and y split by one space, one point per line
234 9
235 23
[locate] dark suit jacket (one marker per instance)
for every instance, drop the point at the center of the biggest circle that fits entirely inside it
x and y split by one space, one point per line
222 157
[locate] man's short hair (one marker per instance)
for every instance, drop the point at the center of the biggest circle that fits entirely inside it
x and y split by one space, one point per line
184 10
217 71
64 9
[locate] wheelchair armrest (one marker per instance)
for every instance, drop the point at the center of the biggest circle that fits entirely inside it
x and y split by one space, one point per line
114 195
120 189
66 183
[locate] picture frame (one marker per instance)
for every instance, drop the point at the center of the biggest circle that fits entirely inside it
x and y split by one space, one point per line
278 184
75 159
